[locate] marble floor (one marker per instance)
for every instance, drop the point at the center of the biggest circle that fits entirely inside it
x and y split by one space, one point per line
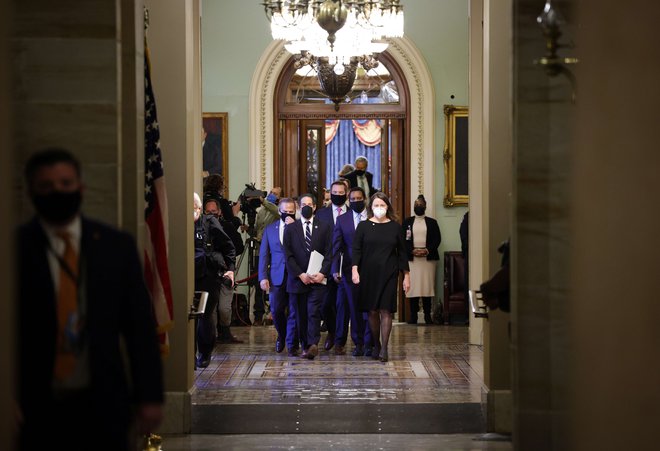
251 398
335 442
432 384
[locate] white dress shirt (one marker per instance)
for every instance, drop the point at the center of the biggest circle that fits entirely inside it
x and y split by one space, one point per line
57 246
359 217
335 213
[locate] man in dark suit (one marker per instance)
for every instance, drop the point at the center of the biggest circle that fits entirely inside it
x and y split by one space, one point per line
342 251
307 290
329 215
272 277
81 294
361 177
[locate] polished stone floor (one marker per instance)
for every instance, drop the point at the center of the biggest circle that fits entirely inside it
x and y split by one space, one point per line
432 384
335 442
428 364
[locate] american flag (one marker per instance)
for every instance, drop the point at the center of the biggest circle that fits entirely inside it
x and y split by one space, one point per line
157 273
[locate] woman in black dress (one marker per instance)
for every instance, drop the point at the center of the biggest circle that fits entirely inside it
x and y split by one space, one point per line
379 254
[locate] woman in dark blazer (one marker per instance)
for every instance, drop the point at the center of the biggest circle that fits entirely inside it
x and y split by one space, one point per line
422 241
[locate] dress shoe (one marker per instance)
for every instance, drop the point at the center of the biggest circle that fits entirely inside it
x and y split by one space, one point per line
279 345
427 318
295 352
312 352
358 351
367 351
227 339
304 355
203 361
329 342
340 350
324 326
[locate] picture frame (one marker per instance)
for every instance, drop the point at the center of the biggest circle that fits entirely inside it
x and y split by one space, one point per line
456 156
215 149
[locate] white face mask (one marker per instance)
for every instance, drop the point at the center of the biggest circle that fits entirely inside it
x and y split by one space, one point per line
380 212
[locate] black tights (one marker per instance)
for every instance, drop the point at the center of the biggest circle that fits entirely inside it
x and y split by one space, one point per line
380 322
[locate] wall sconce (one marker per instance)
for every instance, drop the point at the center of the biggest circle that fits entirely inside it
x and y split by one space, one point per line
550 21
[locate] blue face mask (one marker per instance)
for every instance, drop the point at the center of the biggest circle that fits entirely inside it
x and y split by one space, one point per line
272 198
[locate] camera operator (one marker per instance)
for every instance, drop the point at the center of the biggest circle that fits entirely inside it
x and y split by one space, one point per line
250 200
214 185
215 260
266 214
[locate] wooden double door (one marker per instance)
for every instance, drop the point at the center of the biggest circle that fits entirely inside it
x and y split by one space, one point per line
301 160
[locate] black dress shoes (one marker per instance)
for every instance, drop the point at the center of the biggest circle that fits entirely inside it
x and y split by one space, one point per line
329 342
427 318
279 345
294 352
203 361
358 351
367 351
383 355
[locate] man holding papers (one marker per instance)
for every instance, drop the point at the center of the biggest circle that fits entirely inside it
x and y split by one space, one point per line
307 272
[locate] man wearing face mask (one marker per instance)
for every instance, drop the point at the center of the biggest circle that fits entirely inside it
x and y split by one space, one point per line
361 177
80 294
215 260
272 278
329 215
307 291
347 293
422 242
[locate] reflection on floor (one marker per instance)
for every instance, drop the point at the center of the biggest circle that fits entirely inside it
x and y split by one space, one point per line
432 384
335 442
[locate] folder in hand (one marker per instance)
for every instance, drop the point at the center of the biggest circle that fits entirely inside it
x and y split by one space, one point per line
315 263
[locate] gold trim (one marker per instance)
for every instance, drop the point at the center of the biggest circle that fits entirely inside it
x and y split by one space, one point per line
451 198
224 119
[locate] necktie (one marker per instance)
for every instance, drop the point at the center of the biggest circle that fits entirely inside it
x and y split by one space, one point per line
67 307
308 237
338 211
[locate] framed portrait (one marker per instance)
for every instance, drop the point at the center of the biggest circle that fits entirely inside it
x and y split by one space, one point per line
456 156
215 152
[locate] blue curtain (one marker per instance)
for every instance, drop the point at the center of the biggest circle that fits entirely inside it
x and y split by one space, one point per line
344 148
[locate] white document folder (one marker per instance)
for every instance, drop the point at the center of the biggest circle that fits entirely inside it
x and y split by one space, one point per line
315 263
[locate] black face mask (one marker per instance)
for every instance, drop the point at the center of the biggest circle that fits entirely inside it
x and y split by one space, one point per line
357 206
419 210
338 199
306 211
287 215
58 207
359 172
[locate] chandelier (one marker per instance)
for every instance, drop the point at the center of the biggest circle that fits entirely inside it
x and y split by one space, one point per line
335 36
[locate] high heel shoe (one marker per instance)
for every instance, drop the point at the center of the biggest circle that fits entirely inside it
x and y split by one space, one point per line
383 355
375 353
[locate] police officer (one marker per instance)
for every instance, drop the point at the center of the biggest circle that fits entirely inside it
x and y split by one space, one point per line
215 260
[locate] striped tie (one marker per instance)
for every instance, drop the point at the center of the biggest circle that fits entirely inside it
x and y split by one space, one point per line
308 237
67 306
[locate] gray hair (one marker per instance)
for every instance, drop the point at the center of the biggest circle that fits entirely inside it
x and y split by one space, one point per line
362 160
197 202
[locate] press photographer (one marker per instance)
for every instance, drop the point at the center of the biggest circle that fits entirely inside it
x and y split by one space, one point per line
250 200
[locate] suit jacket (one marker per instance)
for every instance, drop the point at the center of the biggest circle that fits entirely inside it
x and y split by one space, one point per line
297 257
342 243
352 177
272 258
117 305
433 237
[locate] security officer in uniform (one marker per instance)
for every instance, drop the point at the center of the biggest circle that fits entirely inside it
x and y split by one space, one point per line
215 260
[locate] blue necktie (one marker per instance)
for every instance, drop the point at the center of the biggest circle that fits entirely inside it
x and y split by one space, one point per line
308 237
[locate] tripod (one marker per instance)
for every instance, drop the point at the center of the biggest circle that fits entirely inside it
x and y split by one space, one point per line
251 253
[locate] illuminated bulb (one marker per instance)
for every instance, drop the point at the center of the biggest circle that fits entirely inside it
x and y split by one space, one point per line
339 69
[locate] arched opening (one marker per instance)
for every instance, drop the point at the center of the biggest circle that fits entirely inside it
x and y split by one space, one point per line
313 141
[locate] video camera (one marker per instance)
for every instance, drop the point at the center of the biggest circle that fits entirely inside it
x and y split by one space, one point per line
250 200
